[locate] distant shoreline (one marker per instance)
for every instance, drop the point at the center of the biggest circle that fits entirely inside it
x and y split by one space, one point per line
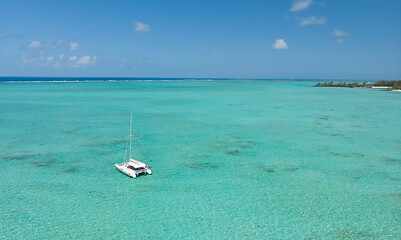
389 85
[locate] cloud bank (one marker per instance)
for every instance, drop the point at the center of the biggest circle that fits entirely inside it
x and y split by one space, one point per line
45 54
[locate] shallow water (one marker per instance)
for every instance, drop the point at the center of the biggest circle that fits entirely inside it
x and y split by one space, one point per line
231 159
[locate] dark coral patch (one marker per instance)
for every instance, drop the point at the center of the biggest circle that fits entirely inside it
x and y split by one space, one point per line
70 169
389 160
20 156
200 165
43 163
347 155
72 130
267 169
103 144
233 146
292 168
234 152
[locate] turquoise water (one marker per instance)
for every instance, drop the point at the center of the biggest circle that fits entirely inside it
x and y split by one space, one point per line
231 159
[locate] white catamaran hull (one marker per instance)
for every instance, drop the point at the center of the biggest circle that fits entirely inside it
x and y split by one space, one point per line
123 167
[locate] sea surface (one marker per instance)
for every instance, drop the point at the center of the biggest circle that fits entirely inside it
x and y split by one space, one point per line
265 159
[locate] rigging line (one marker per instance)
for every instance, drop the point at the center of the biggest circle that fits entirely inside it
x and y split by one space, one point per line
125 154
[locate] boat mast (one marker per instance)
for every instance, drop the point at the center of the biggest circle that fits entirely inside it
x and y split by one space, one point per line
130 134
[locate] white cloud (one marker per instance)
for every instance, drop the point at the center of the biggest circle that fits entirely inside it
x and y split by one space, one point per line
85 60
340 40
280 44
214 52
42 59
300 5
312 20
55 43
340 33
74 46
141 27
26 59
33 44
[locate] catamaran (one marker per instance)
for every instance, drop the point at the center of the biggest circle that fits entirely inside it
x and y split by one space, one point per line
132 168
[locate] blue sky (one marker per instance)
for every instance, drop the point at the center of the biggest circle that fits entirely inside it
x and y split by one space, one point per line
332 39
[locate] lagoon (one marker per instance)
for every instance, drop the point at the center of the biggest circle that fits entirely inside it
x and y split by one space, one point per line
230 159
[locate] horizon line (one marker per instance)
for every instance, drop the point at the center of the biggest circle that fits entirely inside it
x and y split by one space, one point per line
200 78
